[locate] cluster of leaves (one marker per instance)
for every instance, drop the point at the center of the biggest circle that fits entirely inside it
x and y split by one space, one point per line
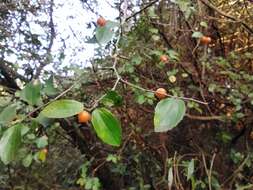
89 183
25 118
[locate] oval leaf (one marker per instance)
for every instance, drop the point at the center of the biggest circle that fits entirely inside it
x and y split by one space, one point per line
104 34
31 93
10 143
107 126
170 177
112 98
62 109
50 88
27 161
8 114
42 142
197 35
190 169
41 119
168 113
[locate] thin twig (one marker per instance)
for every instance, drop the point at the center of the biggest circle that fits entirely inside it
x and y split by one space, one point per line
176 164
99 166
56 98
206 169
114 68
204 64
205 118
144 8
237 170
210 171
168 95
95 104
207 3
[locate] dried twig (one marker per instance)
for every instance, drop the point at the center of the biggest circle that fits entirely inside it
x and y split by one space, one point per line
205 118
207 3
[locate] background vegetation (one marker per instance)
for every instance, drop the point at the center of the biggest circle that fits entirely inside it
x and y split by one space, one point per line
199 137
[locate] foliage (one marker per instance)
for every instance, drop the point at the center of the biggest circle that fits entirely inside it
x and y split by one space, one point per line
106 126
134 140
168 113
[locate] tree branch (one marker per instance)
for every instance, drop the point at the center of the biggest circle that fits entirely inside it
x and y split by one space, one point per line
144 8
207 3
9 75
52 36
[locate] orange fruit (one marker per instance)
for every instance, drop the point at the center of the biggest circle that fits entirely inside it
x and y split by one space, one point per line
172 79
45 150
239 126
164 58
205 40
229 114
161 93
84 117
101 22
251 135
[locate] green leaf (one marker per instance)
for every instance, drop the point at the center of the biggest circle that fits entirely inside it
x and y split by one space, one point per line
129 68
80 182
154 30
156 53
212 87
10 143
107 126
62 109
173 55
8 114
31 93
42 142
104 34
190 169
226 137
91 40
155 37
112 24
27 161
41 119
168 113
172 72
197 35
170 177
136 60
185 7
112 98
31 136
112 158
88 184
152 12
50 88
204 24
24 130
140 99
